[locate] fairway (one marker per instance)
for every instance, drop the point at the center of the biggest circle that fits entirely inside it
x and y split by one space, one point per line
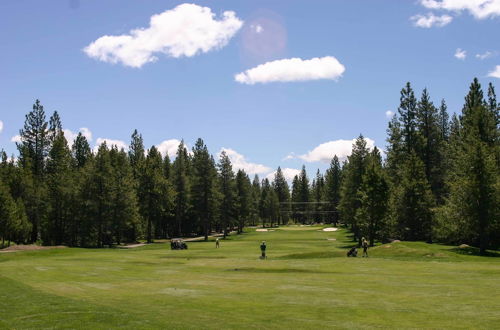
306 282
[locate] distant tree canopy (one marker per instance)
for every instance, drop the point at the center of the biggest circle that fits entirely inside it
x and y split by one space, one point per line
439 181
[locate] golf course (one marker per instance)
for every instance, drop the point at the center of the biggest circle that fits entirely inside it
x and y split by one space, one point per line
306 282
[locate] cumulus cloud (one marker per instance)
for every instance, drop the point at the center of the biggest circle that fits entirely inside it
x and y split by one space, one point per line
110 142
186 30
325 151
429 20
389 114
495 73
169 147
240 162
16 139
293 69
71 136
257 28
460 54
1 126
480 9
288 173
484 56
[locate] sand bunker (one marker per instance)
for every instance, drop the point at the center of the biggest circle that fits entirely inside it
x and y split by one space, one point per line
330 229
260 229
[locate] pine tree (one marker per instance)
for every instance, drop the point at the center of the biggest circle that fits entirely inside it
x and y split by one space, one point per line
203 185
473 205
81 151
136 153
33 151
283 193
412 202
332 189
373 195
354 171
429 142
55 127
255 199
181 186
407 117
60 192
303 196
124 212
243 199
317 193
227 189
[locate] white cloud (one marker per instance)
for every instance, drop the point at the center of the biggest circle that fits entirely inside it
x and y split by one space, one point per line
480 9
169 147
495 73
325 151
239 162
1 126
485 55
460 54
257 28
186 30
389 114
288 173
16 138
429 20
71 136
293 69
110 142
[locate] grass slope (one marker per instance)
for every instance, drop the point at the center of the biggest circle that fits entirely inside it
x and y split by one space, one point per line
307 282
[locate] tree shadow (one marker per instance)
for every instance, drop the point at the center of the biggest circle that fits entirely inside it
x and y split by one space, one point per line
474 251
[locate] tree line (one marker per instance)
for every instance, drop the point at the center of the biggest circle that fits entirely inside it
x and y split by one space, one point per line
438 182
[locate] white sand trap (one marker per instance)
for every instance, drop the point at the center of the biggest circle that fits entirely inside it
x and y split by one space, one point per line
260 229
331 239
330 229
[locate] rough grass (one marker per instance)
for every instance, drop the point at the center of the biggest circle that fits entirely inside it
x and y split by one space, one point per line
306 282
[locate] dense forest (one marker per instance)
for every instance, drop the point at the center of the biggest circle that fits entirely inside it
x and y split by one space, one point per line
438 182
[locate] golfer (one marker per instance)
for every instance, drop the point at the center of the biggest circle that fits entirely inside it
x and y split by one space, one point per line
217 243
364 244
263 250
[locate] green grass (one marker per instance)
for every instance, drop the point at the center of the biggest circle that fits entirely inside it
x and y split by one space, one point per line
307 282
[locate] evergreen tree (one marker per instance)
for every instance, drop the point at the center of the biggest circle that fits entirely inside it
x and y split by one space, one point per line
412 202
373 195
473 206
303 196
81 151
352 180
429 142
155 196
55 127
227 189
203 187
332 189
283 193
60 192
407 117
33 151
255 200
182 188
243 199
124 212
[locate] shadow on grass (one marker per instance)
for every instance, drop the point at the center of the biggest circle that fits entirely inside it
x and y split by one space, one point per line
314 255
278 270
473 251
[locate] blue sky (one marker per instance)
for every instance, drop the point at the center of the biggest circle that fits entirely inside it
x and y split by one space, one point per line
365 50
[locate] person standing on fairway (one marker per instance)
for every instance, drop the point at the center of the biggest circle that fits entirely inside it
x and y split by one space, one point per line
364 244
217 243
263 250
